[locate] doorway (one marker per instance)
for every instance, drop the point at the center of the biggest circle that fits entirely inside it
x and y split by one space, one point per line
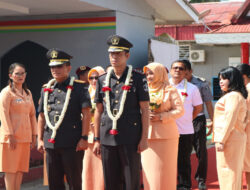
33 56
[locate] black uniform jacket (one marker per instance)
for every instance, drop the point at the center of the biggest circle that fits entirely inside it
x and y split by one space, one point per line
129 125
70 130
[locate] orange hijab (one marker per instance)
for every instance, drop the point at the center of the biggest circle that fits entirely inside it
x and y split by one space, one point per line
100 71
160 81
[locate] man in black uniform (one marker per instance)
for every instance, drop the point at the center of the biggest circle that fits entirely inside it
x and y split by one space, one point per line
61 131
121 118
82 73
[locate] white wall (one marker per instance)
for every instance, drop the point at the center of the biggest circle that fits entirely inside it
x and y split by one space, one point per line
88 47
133 7
138 31
217 57
134 21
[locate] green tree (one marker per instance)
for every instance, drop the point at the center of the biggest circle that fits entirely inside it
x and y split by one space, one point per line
203 1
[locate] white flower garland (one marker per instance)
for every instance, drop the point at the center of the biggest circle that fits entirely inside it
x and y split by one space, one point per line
124 95
183 97
65 106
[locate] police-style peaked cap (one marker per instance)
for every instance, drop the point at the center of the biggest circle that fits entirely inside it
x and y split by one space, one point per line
82 69
117 44
57 57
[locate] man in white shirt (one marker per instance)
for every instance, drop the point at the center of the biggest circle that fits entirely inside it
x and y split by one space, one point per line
193 106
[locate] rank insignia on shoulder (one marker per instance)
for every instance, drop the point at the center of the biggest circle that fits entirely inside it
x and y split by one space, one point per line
202 79
80 81
138 70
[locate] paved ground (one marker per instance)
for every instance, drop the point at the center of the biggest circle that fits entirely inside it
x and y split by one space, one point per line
34 185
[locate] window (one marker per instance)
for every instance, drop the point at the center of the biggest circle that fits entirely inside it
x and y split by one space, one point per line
216 88
184 51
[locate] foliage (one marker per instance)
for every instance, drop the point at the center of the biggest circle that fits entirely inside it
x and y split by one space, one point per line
203 1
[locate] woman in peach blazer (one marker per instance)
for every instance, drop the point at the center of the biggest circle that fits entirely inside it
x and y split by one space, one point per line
159 161
229 129
18 127
245 71
92 165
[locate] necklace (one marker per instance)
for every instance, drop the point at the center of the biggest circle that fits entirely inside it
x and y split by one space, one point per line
125 89
65 106
184 93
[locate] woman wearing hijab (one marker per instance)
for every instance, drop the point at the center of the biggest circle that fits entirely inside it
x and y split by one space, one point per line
159 161
92 165
245 71
230 117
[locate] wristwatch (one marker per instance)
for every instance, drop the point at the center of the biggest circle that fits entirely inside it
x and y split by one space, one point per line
96 139
85 137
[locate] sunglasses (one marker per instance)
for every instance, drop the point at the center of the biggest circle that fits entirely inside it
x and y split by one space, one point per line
92 78
180 68
19 74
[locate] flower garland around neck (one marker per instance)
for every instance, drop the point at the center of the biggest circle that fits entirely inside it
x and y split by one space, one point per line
48 90
125 89
184 93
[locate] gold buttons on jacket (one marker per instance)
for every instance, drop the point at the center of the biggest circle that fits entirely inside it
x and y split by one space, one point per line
135 124
59 91
116 91
49 108
117 82
58 102
116 101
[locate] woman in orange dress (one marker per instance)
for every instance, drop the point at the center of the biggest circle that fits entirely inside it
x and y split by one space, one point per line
229 129
92 165
18 127
245 71
159 161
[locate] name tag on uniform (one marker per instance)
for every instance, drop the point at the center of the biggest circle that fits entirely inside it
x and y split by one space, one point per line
19 100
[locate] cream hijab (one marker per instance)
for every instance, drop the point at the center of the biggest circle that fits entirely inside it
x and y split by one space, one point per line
160 81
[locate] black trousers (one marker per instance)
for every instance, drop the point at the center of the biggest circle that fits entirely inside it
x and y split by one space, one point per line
64 161
121 167
200 147
184 163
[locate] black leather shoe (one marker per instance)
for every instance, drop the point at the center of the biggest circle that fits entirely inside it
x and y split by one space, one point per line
202 186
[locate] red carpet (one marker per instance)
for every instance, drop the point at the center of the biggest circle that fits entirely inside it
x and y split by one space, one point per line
212 179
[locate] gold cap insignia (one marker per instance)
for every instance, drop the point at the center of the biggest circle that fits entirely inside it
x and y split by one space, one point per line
54 54
115 40
82 68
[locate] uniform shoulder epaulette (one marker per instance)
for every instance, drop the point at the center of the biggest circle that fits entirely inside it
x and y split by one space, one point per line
138 71
201 79
79 81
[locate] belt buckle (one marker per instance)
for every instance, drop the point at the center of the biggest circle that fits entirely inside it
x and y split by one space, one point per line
115 111
56 118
